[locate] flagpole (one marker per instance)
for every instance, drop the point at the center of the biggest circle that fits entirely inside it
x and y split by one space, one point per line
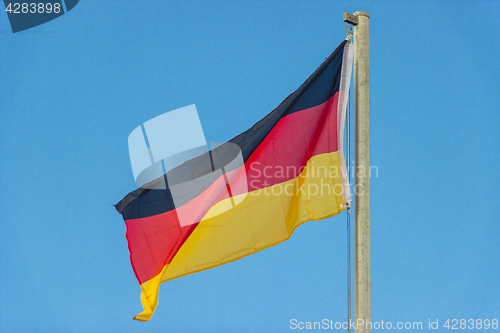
362 303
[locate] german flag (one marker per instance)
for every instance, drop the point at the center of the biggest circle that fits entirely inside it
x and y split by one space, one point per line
294 171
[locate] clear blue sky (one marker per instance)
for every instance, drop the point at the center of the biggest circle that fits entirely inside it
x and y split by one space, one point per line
73 89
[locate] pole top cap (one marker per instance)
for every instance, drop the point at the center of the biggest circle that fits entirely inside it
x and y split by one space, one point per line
361 13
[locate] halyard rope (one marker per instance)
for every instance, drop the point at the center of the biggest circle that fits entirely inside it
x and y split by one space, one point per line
348 153
348 144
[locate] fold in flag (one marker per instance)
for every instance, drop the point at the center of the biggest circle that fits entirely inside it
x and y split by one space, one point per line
293 172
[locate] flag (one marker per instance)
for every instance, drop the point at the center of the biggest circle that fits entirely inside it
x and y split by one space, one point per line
294 171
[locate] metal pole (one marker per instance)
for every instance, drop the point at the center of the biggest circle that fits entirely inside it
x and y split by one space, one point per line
362 303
